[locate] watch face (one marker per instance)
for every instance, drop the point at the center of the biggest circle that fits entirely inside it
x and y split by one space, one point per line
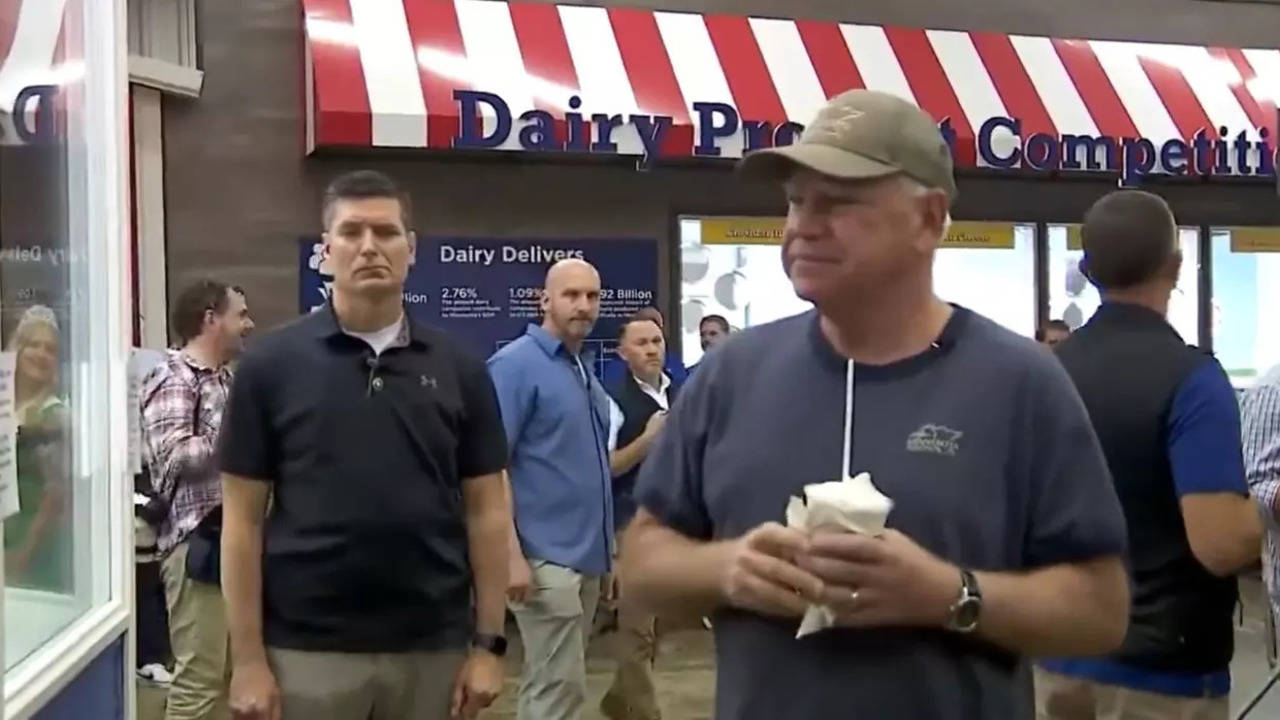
965 615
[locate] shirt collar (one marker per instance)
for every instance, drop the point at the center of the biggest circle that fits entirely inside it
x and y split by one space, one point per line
196 366
664 382
549 343
1111 310
327 327
552 345
946 340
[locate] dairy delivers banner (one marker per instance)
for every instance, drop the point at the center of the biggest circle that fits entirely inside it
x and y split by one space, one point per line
485 291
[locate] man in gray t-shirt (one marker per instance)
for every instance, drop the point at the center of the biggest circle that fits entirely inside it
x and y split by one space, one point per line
1005 536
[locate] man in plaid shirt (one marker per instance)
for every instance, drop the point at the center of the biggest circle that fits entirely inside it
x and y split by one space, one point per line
182 402
1260 428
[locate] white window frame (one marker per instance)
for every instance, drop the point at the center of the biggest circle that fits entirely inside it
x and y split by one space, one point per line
47 671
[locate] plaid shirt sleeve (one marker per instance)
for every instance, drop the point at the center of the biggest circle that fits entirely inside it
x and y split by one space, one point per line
1260 430
175 446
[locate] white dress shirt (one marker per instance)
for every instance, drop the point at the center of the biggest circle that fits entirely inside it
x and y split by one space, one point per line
659 395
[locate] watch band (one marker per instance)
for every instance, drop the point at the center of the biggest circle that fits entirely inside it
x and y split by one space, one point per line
969 584
495 644
967 608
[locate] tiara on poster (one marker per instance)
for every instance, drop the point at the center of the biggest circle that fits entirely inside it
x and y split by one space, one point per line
39 314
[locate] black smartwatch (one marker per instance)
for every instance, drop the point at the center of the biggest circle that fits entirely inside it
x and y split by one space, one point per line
967 608
493 644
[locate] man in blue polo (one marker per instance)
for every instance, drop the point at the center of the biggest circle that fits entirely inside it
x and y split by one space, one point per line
1169 424
556 415
1005 537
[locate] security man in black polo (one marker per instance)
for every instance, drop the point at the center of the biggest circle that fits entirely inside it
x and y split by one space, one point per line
379 444
1169 424
643 395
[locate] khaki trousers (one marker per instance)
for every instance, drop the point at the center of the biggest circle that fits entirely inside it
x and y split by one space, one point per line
555 625
1060 697
632 695
349 686
198 635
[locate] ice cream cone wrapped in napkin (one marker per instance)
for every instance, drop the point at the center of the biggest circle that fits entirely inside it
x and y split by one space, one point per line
852 504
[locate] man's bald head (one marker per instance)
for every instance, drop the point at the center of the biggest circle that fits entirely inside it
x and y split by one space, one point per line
571 270
571 301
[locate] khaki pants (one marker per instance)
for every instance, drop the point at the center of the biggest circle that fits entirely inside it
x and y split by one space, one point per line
555 625
632 695
198 635
348 686
1059 697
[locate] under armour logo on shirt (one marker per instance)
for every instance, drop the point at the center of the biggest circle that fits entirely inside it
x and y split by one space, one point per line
428 381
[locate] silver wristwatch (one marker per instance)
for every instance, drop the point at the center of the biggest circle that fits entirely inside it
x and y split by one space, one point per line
967 608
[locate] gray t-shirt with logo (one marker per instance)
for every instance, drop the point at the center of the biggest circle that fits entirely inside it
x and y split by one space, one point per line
986 451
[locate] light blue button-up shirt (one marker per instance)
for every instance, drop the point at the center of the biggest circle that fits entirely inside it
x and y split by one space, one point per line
557 419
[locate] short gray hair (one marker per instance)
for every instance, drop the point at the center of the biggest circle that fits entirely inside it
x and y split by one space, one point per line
917 189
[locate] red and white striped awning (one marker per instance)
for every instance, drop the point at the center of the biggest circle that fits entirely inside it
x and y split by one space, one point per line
383 73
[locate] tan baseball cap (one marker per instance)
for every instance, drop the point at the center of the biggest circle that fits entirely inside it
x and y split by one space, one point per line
862 134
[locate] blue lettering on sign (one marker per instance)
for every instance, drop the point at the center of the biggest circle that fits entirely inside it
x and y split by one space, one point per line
1242 148
44 123
948 134
1073 144
1043 152
987 153
709 129
540 131
787 133
1139 157
756 134
470 133
1173 157
1211 150
1203 156
652 129
1268 164
579 133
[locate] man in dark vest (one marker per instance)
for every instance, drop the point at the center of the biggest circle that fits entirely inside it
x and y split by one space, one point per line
642 397
1169 425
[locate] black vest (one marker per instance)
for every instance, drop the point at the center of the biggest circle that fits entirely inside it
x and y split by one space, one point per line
1127 363
637 407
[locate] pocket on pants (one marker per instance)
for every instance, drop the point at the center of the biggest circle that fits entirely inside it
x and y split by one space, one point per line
556 590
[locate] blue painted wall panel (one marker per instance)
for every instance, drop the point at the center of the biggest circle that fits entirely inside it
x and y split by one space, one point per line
96 694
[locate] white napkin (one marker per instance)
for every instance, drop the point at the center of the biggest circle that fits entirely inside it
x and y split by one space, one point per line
849 505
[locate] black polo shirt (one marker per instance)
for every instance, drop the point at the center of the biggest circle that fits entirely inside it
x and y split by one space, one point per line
365 546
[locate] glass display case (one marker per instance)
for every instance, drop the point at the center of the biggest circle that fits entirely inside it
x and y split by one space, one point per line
1073 299
64 305
1246 289
733 267
997 280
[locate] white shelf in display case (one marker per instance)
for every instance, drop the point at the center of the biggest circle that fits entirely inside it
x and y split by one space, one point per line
31 617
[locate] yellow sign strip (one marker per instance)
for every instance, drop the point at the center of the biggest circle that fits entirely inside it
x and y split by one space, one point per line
987 235
768 231
742 230
1255 239
1074 240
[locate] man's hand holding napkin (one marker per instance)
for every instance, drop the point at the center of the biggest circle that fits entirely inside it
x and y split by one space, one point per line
871 576
761 574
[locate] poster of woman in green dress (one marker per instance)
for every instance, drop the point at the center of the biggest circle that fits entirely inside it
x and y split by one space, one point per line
37 539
